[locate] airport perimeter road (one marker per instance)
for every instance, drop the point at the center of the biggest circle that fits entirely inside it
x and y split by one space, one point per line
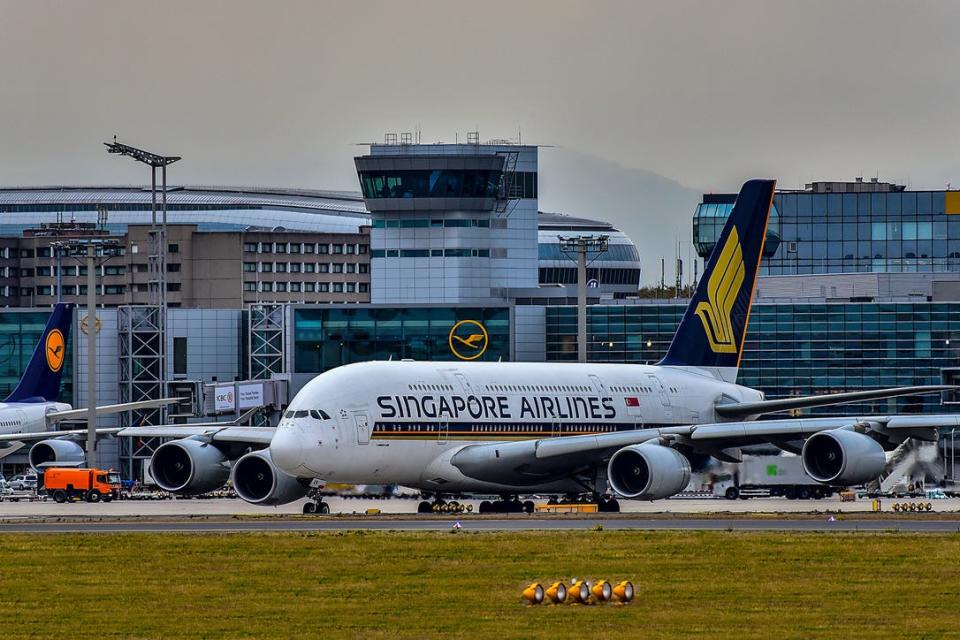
512 524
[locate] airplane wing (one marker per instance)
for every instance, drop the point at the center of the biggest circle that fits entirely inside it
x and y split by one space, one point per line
533 461
107 409
223 432
744 409
43 435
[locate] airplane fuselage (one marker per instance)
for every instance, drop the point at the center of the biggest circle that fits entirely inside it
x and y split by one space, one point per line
401 422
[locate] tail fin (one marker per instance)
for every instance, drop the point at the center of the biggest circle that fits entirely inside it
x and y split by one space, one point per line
711 332
41 381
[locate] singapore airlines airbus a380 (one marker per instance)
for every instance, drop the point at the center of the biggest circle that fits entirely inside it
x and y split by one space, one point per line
449 428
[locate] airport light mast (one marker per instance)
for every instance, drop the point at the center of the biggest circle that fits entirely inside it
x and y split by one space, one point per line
581 246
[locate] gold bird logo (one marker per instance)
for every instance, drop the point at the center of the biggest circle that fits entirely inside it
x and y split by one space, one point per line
468 346
722 290
55 350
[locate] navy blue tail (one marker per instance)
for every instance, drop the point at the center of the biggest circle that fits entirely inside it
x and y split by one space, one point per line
713 327
41 381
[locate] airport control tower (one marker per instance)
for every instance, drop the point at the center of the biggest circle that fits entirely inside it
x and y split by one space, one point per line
451 222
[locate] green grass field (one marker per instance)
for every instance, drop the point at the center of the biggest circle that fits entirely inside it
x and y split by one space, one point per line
442 585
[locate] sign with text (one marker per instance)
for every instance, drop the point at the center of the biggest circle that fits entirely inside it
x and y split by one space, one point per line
249 396
224 399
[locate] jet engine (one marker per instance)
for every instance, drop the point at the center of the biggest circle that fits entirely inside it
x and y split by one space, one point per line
58 452
842 456
648 472
258 481
189 466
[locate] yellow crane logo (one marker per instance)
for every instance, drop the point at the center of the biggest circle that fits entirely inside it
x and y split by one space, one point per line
55 350
722 289
468 340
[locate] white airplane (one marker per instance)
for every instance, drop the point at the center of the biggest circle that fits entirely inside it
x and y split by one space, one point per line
31 411
448 428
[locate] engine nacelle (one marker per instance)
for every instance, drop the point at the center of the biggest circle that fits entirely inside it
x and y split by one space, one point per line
648 472
56 452
258 481
843 457
189 466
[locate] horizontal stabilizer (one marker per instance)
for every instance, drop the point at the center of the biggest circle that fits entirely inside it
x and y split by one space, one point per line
763 407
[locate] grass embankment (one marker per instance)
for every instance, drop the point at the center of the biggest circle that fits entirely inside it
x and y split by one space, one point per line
414 585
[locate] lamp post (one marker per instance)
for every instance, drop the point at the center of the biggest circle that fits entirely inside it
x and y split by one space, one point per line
581 246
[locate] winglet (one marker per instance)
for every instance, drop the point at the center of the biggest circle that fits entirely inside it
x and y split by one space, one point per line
41 380
713 327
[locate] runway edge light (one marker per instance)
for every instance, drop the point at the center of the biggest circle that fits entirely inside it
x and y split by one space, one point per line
602 591
579 593
533 594
557 593
623 592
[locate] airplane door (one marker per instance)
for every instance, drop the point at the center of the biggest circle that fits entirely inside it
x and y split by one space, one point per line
362 423
664 396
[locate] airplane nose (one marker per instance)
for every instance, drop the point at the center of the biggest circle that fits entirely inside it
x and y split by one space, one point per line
286 449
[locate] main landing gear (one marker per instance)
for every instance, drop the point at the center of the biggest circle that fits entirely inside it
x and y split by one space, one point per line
439 505
315 503
507 504
605 504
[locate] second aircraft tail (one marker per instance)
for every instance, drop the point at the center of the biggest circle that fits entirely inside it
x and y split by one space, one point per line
712 330
41 380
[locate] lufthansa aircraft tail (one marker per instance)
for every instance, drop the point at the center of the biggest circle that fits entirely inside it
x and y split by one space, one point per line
711 333
41 380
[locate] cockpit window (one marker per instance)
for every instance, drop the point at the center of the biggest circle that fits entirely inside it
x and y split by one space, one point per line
319 414
288 414
300 414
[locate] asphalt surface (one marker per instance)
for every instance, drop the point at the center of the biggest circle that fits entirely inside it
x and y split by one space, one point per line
519 523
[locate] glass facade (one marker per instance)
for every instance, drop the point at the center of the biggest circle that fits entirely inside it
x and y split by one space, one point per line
793 349
327 338
19 334
437 183
886 232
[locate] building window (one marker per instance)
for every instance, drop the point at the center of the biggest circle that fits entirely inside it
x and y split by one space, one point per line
26 291
337 267
309 248
363 248
294 267
43 252
281 287
173 248
324 267
363 267
250 247
26 273
351 268
179 356
351 249
173 267
114 270
338 248
295 287
266 267
43 271
281 267
266 247
363 287
309 287
309 267
323 248
266 286
250 267
173 286
26 253
338 287
249 286
44 290
324 287
294 247
281 247
351 287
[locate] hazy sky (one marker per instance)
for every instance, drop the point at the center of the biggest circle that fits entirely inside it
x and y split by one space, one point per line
278 93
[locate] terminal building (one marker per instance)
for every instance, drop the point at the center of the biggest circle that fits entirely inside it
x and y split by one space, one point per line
859 285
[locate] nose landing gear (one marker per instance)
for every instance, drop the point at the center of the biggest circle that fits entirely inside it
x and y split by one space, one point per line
316 503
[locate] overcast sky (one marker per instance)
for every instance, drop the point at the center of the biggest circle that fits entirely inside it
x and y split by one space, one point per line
278 93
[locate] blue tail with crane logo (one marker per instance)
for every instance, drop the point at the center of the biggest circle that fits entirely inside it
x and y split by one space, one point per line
41 380
713 327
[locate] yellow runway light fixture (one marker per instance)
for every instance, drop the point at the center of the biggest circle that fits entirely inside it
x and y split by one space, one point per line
579 593
557 593
623 592
533 594
602 591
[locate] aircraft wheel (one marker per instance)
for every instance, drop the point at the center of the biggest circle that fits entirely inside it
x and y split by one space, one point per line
93 495
425 507
484 507
309 507
552 500
60 496
804 493
790 493
732 493
323 508
528 506
613 506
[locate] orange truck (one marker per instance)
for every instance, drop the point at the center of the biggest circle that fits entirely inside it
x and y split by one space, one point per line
92 485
